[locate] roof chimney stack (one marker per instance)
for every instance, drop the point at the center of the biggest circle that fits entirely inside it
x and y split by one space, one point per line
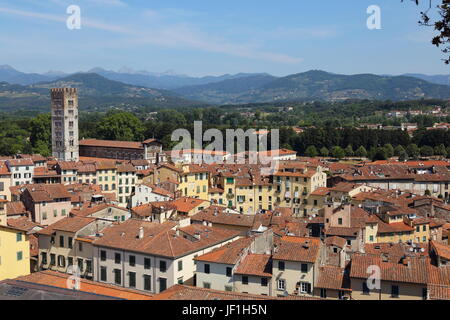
141 232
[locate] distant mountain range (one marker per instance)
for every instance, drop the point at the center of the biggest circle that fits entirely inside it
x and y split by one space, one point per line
315 85
438 79
100 88
167 80
95 93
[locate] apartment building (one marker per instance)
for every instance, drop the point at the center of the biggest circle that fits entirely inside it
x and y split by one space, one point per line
106 172
401 278
126 178
47 203
5 182
68 243
145 193
294 184
21 171
295 263
214 270
152 256
14 252
194 181
68 170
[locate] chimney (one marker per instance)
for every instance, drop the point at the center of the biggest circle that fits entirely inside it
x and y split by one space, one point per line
197 236
141 232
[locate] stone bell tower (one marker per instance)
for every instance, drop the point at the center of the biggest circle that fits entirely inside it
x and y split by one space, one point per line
65 124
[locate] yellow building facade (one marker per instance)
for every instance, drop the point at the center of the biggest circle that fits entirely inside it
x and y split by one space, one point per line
14 253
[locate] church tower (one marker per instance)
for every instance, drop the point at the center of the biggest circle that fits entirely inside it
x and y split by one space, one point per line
65 124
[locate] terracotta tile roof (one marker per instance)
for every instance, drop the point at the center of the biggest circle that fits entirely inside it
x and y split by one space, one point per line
86 168
48 192
40 172
16 208
111 144
345 187
140 162
395 251
68 165
183 292
255 265
105 165
160 191
394 227
185 204
438 292
23 223
219 215
150 141
126 167
69 224
322 191
336 241
331 277
147 210
34 157
295 228
297 249
56 279
4 169
21 162
419 270
160 239
227 254
89 210
170 166
342 231
441 249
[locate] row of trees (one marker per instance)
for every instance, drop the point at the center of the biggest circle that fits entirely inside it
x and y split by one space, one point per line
34 135
412 151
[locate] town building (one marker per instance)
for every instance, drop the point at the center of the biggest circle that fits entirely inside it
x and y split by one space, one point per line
65 124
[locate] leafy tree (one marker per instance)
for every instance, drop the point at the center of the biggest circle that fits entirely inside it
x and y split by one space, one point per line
337 152
427 192
448 152
440 150
413 151
41 134
121 126
361 152
389 150
378 154
349 151
324 152
403 156
311 151
426 151
399 150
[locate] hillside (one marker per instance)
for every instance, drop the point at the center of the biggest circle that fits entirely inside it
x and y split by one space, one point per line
95 92
227 90
319 85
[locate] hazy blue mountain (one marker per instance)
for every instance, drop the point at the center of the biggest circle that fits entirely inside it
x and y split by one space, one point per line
11 75
95 92
321 85
226 90
438 79
168 81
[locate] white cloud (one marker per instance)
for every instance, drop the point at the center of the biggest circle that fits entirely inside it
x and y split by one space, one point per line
176 36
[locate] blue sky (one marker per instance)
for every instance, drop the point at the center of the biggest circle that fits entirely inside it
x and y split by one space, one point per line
199 37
